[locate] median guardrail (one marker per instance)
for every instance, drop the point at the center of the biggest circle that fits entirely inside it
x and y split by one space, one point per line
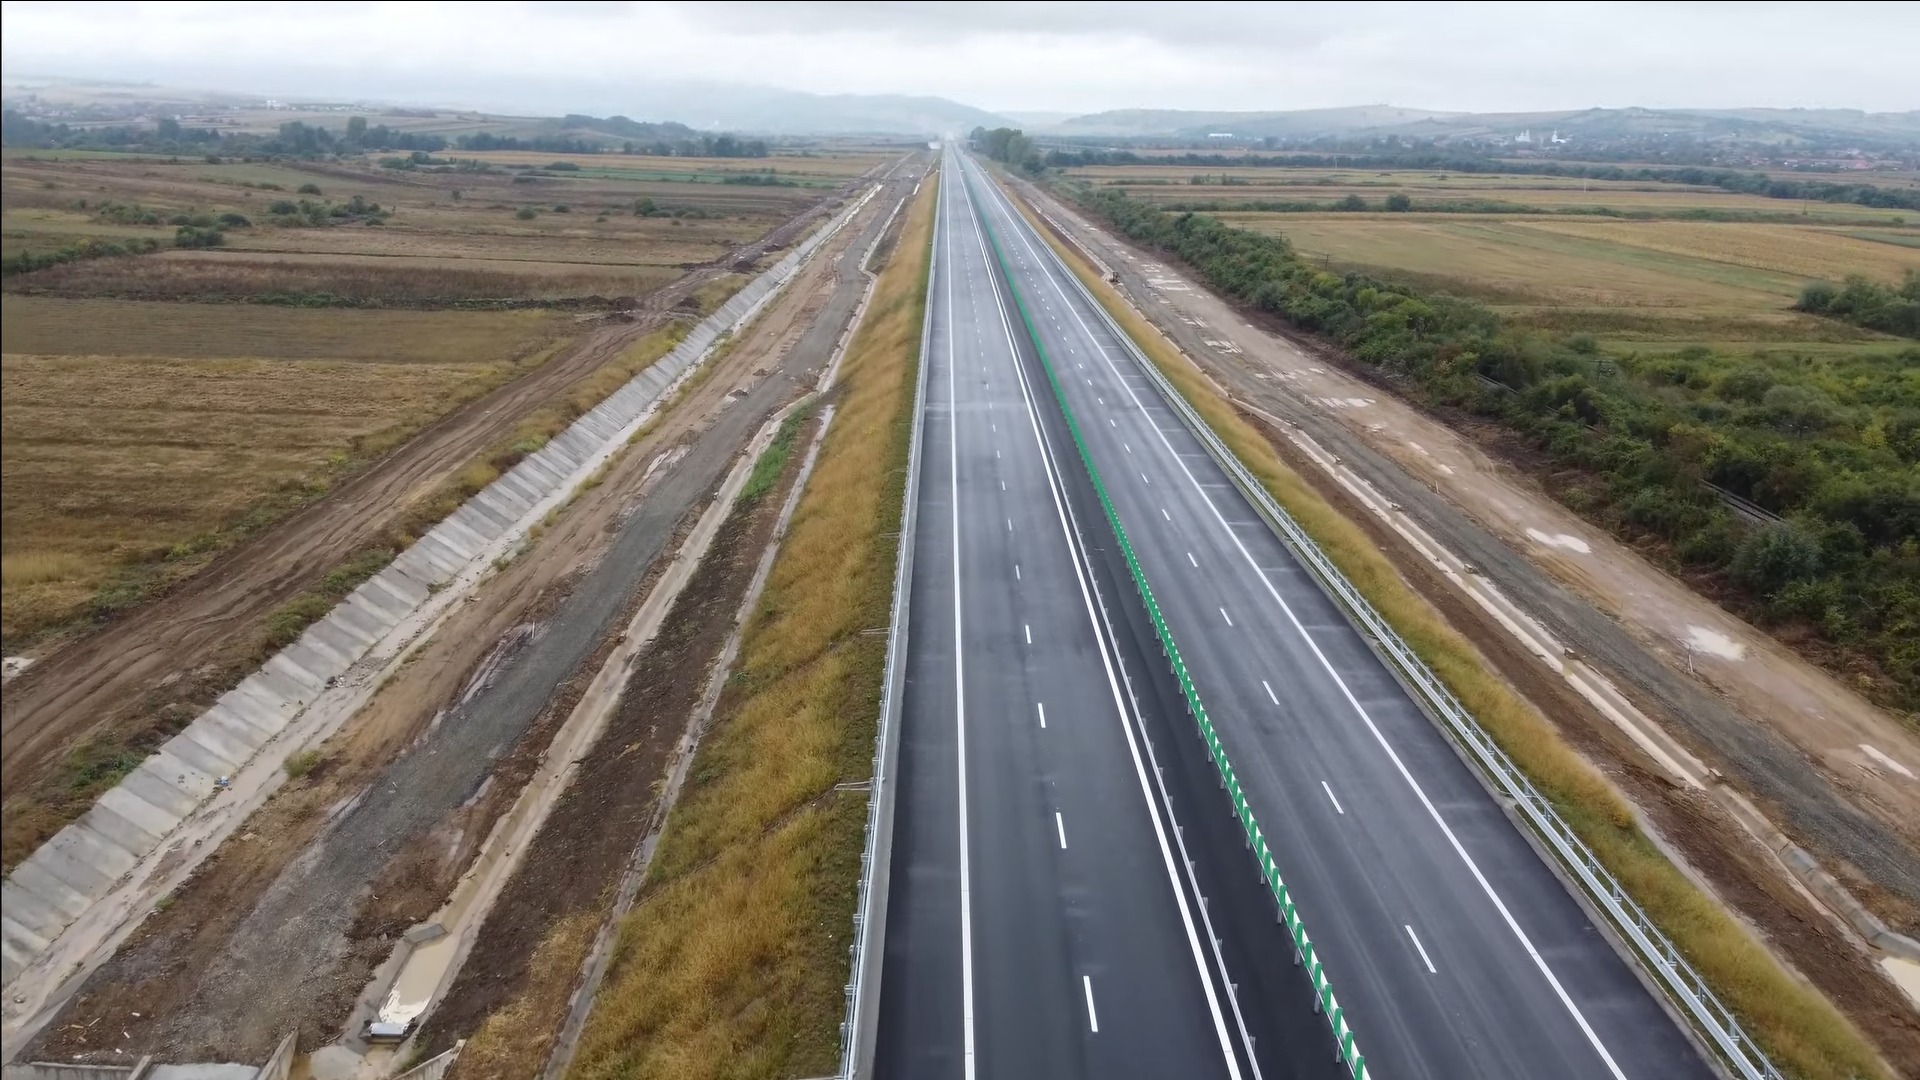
859 1031
1657 954
1304 953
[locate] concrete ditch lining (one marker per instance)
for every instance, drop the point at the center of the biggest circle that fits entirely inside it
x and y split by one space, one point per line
188 778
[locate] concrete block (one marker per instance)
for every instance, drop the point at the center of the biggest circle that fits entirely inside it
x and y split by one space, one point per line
81 859
380 596
194 753
552 461
120 832
337 637
151 786
316 664
282 687
378 621
475 523
19 946
305 682
155 821
31 876
524 496
237 732
421 569
536 474
218 745
33 913
497 513
347 620
449 543
256 703
575 443
191 779
250 729
440 556
407 592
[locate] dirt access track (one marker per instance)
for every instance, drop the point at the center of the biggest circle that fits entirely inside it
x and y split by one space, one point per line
1837 775
169 655
284 926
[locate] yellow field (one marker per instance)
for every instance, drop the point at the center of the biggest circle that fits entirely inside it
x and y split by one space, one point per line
136 430
1681 281
1175 183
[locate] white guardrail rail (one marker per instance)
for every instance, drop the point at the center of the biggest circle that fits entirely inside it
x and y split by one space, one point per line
859 1032
1651 947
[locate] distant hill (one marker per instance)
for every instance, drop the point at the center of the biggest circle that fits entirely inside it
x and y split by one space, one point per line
1757 125
764 110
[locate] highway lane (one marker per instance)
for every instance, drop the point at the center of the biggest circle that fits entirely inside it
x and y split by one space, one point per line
1040 923
1455 949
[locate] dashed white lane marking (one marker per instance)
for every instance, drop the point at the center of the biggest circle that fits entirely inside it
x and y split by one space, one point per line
1129 448
1110 423
1144 480
1423 951
1169 517
1093 1018
1330 797
1060 827
1263 682
1003 485
1190 558
1042 706
1099 399
1016 571
1009 524
1224 615
1029 630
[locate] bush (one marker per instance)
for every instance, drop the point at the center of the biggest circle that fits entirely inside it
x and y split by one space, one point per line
526 213
307 189
1399 202
1775 556
301 762
194 236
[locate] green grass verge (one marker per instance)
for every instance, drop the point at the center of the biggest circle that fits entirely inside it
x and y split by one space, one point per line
733 960
1799 1027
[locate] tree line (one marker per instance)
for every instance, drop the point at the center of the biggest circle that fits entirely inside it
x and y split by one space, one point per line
1733 180
1890 309
1831 446
298 139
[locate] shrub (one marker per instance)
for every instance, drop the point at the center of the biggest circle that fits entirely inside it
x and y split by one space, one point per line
301 762
308 189
1775 556
526 213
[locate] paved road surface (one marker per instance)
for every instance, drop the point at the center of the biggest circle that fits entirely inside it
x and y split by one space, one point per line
1453 947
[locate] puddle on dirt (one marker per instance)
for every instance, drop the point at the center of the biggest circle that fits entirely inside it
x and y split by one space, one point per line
1715 643
1562 540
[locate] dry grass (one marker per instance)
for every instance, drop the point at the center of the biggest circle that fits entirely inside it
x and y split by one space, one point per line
732 963
126 469
1802 252
514 1041
1801 1030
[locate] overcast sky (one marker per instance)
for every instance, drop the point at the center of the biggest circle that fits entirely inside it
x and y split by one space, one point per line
1069 57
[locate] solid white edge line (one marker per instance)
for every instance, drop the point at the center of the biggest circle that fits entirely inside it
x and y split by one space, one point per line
1486 887
1330 797
1431 970
959 687
1068 530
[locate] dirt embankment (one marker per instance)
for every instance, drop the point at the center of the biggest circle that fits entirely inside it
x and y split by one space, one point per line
1775 728
154 668
282 929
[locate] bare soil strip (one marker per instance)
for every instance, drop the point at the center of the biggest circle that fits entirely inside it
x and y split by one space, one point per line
282 928
159 665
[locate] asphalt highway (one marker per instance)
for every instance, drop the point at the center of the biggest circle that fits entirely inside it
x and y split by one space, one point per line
1456 951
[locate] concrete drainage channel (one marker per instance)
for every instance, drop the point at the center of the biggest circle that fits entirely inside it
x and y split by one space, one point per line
67 905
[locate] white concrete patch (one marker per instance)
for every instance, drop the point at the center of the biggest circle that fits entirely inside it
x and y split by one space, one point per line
1906 975
1345 402
1715 643
13 666
1560 540
1880 756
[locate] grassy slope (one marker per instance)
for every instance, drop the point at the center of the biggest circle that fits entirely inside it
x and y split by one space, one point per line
732 962
1799 1027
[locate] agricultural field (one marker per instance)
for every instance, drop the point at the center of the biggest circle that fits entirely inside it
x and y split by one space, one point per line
407 237
139 432
1184 185
1721 284
295 320
1637 264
